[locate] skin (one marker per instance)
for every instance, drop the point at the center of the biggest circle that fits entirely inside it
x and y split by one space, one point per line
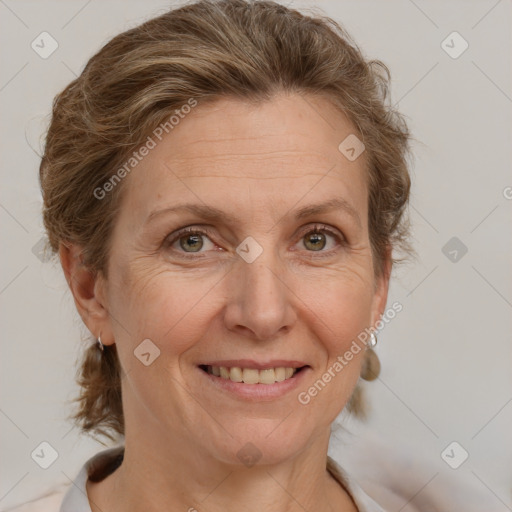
258 164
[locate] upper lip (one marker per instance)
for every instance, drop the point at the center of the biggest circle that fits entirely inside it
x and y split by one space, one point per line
257 365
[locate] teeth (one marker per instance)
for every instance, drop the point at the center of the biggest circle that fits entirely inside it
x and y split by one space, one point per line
280 374
235 374
268 376
251 375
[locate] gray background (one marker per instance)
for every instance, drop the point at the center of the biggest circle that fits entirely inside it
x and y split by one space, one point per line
446 358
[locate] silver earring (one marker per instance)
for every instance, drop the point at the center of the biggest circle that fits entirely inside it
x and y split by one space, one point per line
100 345
373 340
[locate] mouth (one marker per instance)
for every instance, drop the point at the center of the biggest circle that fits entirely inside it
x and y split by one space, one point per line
251 376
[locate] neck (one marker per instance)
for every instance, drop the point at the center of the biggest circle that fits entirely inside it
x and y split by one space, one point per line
151 481
159 469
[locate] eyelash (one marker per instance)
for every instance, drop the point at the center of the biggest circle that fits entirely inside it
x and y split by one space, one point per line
317 228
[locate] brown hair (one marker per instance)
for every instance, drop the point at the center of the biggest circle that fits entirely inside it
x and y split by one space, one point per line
206 50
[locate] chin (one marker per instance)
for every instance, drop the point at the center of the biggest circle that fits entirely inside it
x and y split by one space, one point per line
261 442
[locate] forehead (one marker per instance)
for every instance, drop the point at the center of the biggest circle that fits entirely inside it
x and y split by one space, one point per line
287 146
287 123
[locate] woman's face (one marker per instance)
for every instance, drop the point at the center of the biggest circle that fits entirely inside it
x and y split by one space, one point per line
251 287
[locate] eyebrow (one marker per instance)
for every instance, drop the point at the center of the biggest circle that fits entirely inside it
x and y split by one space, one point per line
211 213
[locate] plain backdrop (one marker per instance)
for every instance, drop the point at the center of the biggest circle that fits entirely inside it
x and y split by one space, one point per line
446 358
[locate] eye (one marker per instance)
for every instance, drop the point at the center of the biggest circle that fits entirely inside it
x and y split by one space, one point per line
316 239
190 240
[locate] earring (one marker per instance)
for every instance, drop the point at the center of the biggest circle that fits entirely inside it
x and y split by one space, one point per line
370 369
100 345
373 340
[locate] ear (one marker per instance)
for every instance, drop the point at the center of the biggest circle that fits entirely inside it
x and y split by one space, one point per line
88 289
381 289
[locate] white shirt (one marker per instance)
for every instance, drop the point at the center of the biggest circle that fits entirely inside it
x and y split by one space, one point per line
73 497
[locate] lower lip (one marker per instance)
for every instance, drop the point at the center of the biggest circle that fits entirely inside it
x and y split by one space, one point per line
257 392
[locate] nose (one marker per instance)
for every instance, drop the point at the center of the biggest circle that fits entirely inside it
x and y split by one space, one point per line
260 301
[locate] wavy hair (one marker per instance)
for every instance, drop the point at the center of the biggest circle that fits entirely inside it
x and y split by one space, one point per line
206 50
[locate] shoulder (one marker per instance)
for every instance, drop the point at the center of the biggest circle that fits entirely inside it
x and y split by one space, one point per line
362 500
49 502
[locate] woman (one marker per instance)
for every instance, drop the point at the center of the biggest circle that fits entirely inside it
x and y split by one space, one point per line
225 186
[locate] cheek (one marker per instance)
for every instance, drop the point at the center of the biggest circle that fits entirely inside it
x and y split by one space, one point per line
164 306
172 310
347 310
347 320
339 303
340 313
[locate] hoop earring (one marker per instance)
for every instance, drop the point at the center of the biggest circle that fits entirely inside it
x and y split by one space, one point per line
100 345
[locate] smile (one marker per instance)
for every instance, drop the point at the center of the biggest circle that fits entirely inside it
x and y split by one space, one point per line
255 379
251 375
